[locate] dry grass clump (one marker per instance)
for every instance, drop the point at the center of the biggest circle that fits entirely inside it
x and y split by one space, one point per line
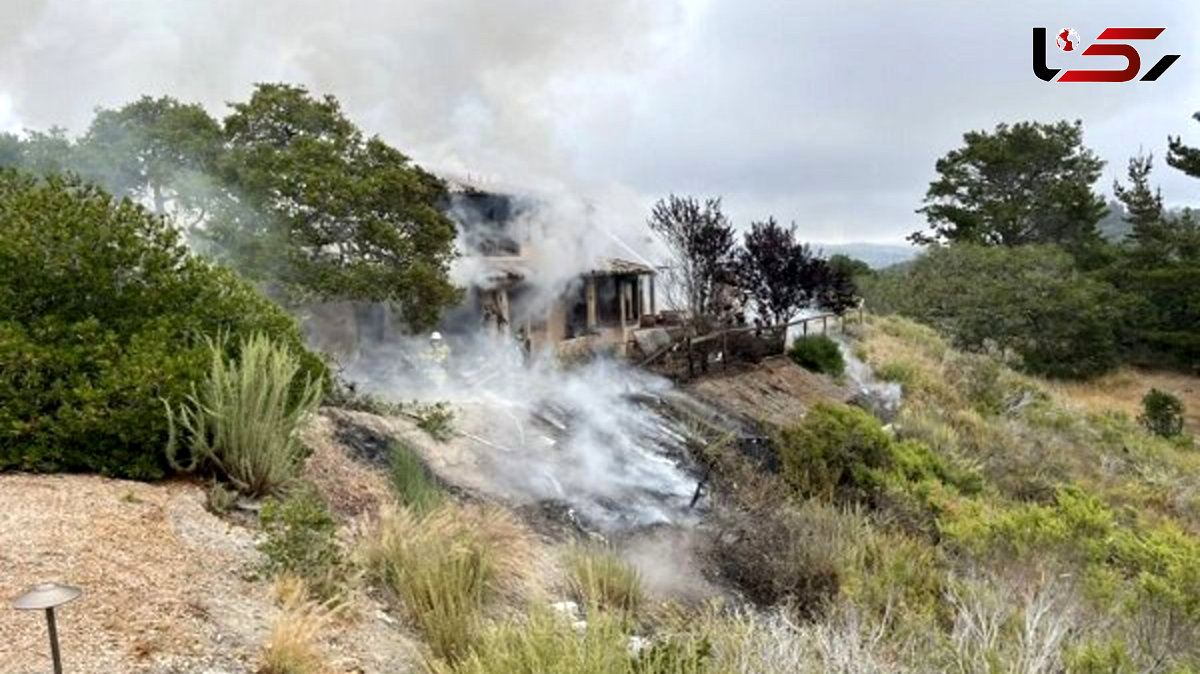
601 579
446 566
545 642
294 643
784 554
1122 391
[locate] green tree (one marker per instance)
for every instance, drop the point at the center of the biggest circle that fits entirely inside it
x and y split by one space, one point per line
1143 206
1184 157
1029 303
12 151
1160 308
333 213
1028 183
1160 277
158 151
103 314
47 152
850 266
838 291
777 272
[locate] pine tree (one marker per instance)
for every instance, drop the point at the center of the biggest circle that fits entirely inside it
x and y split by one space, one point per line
1143 206
1184 157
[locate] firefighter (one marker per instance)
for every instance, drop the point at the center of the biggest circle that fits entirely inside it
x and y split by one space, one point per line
439 352
435 358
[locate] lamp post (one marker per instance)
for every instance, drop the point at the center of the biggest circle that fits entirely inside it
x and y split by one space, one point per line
46 596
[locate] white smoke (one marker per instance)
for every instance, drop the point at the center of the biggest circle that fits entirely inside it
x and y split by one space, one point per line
590 436
561 236
466 86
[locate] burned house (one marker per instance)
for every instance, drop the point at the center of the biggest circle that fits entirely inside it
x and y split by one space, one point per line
599 309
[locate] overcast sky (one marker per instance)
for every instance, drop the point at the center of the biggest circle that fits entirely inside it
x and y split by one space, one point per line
827 113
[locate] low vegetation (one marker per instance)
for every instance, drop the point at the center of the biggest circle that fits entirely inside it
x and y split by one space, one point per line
818 353
293 645
412 483
1026 305
600 579
244 417
300 541
446 567
436 419
844 452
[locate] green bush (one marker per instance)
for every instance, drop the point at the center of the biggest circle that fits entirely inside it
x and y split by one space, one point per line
818 353
1162 413
301 539
436 419
1158 562
414 485
103 313
834 450
244 417
844 452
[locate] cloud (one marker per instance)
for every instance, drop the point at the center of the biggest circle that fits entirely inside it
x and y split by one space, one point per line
831 114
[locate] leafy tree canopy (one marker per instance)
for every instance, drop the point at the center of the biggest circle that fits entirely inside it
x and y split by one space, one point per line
1022 184
850 266
1029 303
287 190
157 151
357 217
778 273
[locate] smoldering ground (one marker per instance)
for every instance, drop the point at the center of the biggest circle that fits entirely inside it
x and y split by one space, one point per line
587 436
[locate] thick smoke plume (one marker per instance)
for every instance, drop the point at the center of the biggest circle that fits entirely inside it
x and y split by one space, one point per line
464 86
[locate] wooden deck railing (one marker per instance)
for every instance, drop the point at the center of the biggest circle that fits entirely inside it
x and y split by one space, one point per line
742 344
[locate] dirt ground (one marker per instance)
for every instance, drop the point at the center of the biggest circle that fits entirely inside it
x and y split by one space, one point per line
167 586
776 391
162 578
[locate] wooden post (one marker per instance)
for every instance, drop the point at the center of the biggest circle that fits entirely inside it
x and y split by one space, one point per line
591 303
687 343
824 324
804 324
622 306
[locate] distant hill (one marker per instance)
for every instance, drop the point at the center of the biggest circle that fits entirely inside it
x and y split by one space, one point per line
878 255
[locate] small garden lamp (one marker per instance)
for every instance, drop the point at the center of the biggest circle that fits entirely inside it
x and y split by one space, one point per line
47 596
